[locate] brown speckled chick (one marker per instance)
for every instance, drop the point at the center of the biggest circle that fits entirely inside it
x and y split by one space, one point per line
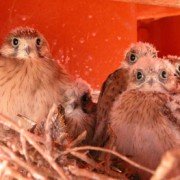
143 124
80 110
115 84
30 80
174 104
175 61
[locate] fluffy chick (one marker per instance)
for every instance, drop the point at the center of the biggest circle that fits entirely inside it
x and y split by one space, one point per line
25 43
138 50
175 61
80 110
30 80
115 84
143 124
174 104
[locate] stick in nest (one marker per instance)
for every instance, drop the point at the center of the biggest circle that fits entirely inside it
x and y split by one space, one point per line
78 140
111 152
11 124
11 156
24 147
88 174
8 171
169 167
96 165
48 124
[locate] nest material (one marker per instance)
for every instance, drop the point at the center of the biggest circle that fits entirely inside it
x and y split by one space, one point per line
46 152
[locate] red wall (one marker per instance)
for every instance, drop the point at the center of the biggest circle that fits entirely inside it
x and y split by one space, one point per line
88 36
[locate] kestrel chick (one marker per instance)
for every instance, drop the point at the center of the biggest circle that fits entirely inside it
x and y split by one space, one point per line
143 124
175 60
138 50
25 43
30 80
80 110
174 104
155 75
115 84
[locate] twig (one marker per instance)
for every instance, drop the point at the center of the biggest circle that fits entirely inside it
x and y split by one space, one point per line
14 174
37 138
87 174
48 124
9 122
97 166
78 140
111 152
24 147
21 163
86 159
169 166
3 164
30 121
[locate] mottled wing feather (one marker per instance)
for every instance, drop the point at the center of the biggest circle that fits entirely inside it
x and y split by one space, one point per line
109 81
115 84
166 111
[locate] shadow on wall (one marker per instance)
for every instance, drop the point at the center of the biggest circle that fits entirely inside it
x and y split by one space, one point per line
163 33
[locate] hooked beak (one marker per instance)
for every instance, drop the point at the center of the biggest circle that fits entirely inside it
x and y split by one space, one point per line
89 108
28 50
151 82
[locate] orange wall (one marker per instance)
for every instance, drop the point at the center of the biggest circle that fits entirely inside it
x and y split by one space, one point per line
88 36
163 33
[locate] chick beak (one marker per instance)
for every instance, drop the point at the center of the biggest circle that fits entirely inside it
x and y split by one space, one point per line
75 105
151 82
28 50
89 108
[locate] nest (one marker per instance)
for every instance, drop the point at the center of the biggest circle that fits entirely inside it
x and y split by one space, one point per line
47 152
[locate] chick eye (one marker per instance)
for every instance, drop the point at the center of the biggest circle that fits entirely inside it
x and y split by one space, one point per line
85 98
15 42
132 58
154 55
163 75
139 75
178 68
38 42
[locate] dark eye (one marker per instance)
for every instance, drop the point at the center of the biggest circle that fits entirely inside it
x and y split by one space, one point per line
85 98
154 55
139 75
132 58
38 42
15 42
163 75
178 68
